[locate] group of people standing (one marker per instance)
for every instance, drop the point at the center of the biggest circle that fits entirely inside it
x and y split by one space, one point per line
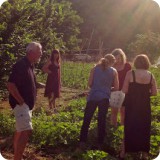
111 73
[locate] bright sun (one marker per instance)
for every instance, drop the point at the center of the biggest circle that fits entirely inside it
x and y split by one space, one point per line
1 1
158 1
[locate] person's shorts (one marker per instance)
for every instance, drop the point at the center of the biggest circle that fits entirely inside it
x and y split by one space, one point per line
23 118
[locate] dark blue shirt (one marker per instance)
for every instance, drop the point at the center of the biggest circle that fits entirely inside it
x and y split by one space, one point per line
102 83
23 77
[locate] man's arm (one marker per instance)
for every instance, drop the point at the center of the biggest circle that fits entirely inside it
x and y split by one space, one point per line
15 93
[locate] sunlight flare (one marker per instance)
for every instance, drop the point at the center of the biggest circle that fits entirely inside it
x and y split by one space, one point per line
1 158
158 2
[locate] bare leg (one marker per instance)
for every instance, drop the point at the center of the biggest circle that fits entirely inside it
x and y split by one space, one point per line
53 101
54 104
122 152
20 141
114 114
50 103
51 106
16 137
145 155
122 115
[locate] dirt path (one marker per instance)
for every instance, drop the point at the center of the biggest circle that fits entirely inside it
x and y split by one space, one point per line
67 94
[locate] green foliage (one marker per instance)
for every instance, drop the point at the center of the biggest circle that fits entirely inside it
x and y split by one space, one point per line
96 155
155 126
7 60
114 137
53 23
116 23
47 128
155 71
75 75
61 130
6 124
50 133
148 43
155 142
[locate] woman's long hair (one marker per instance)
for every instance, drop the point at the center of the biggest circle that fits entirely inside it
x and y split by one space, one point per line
119 51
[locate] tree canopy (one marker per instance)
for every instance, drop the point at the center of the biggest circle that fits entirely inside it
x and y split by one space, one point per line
116 22
52 23
132 25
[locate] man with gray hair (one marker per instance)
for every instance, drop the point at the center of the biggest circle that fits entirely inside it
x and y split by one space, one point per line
22 95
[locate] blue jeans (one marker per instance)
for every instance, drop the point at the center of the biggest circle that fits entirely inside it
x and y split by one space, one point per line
89 111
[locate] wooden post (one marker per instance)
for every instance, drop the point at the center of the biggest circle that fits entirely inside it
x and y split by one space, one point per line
90 41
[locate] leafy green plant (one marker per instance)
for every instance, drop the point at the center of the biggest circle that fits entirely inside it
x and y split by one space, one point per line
75 75
61 130
6 124
96 155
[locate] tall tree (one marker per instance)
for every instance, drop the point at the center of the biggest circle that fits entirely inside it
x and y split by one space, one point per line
148 43
53 23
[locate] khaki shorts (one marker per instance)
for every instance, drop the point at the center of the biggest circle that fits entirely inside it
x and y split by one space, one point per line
23 118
